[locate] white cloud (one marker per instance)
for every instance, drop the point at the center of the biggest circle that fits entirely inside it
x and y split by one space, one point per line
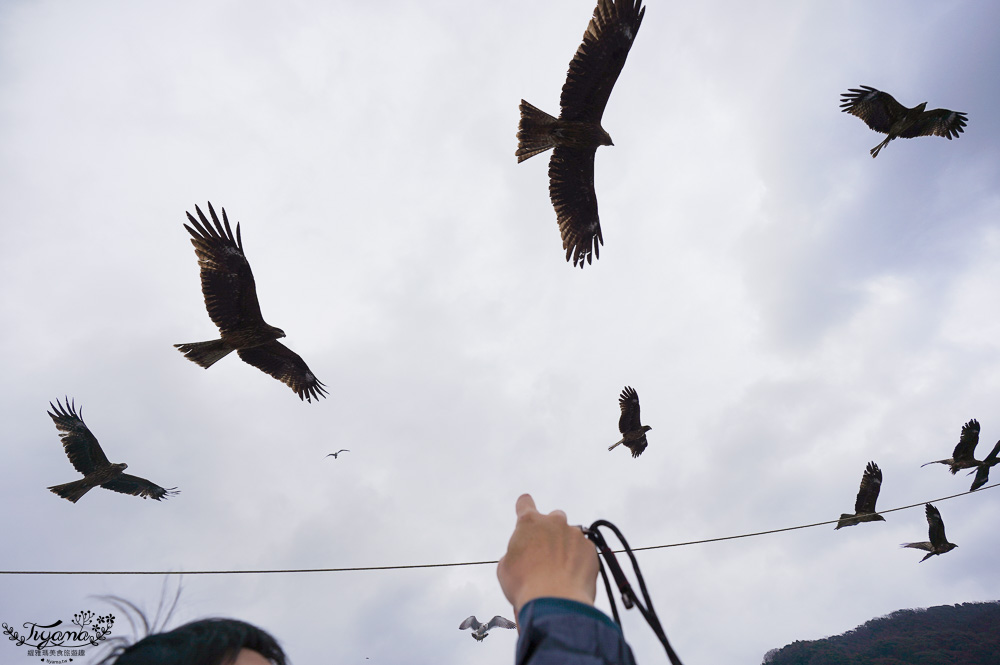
786 307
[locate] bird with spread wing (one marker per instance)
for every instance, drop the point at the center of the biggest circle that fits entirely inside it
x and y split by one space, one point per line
231 298
983 470
884 114
87 457
342 450
479 630
633 433
963 457
577 132
864 505
938 542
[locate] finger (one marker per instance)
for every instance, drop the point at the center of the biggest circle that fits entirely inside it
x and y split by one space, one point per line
524 505
560 514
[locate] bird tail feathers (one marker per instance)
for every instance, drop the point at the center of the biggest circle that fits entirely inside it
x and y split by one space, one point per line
72 491
533 132
845 520
205 354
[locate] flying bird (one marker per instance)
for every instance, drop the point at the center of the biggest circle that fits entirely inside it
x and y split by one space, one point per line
983 472
577 132
963 455
864 506
88 458
479 630
342 450
884 114
939 543
231 298
633 433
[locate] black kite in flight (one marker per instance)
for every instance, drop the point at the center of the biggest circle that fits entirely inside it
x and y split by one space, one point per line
884 114
963 455
577 132
479 630
633 433
85 454
939 543
864 505
983 472
231 298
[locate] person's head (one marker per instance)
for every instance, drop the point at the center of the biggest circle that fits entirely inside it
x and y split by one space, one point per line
205 642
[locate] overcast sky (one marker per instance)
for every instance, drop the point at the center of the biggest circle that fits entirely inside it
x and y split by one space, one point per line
786 307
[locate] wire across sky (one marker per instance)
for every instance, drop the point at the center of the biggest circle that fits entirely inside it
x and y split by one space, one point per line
454 564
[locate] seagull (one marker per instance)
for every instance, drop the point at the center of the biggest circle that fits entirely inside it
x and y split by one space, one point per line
342 450
864 506
963 456
939 543
479 630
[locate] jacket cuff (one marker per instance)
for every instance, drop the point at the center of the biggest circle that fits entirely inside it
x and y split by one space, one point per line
558 631
542 607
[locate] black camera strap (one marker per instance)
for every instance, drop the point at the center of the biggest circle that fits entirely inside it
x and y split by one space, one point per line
629 598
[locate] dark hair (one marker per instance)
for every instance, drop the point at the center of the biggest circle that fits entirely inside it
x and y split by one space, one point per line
205 642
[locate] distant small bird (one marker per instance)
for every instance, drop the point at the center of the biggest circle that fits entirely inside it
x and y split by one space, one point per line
479 630
577 132
88 458
628 424
342 450
983 472
939 543
884 114
231 298
963 457
864 506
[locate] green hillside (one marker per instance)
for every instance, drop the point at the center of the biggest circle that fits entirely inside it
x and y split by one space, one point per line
965 634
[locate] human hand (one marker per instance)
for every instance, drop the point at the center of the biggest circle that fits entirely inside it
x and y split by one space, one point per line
546 557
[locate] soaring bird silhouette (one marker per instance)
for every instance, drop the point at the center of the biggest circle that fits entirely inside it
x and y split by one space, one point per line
939 543
864 506
342 450
884 114
577 132
231 298
88 458
479 630
633 432
963 457
983 472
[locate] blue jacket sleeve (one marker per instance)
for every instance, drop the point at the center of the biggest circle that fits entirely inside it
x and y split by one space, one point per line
557 631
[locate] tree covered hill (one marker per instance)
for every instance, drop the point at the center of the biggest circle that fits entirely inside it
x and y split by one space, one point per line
965 634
